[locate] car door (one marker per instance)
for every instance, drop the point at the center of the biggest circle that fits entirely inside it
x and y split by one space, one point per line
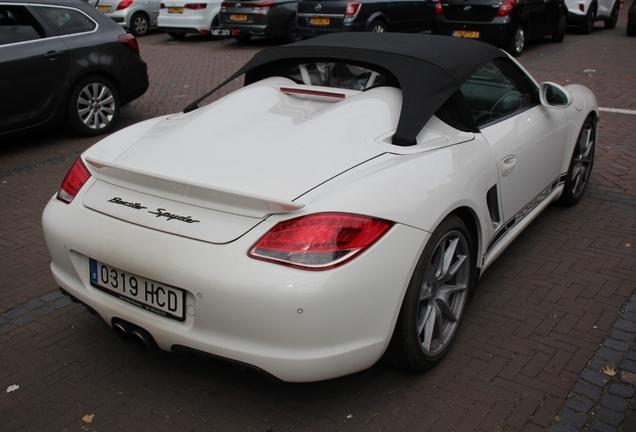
34 66
153 6
527 139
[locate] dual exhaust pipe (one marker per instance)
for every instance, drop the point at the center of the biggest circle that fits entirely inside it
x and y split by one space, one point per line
131 333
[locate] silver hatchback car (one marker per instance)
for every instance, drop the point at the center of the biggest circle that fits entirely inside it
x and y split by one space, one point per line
137 16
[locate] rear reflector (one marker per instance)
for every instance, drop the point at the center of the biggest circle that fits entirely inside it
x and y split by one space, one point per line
319 241
76 177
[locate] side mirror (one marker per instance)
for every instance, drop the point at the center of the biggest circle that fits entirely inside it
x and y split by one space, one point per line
554 95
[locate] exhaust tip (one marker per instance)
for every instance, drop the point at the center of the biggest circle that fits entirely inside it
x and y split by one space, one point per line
143 339
123 330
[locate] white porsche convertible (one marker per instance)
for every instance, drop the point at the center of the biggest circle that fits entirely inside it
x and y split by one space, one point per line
337 209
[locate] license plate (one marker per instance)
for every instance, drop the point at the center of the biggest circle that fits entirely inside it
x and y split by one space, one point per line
239 17
175 10
220 32
144 293
319 21
466 34
103 8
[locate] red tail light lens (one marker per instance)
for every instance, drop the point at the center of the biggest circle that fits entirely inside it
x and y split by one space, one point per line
162 6
129 41
124 4
320 241
438 8
506 8
352 9
263 6
196 6
223 6
75 178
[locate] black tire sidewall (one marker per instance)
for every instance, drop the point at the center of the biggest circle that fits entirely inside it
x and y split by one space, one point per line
133 31
567 197
378 23
75 123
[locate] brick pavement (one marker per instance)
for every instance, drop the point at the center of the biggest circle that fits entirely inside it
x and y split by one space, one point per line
531 334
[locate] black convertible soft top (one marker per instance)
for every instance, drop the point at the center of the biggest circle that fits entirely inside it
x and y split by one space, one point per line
429 69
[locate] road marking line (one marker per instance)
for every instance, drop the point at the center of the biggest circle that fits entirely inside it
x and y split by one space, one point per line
618 111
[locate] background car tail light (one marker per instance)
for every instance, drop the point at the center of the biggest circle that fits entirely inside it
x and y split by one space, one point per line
124 4
162 6
75 178
506 8
438 8
263 6
352 9
320 241
195 6
130 42
223 6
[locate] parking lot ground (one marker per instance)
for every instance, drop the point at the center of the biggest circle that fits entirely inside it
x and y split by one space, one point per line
556 307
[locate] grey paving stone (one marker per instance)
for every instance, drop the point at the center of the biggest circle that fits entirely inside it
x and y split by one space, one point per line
15 312
610 354
621 335
623 324
52 296
628 365
631 316
43 311
631 306
615 403
631 355
623 391
23 320
2 320
591 391
563 428
616 344
573 418
33 304
610 416
596 378
599 426
61 303
580 404
6 328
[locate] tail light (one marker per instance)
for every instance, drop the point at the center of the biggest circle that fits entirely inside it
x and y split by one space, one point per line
129 41
438 8
75 178
263 6
196 6
320 241
506 8
162 6
124 4
352 9
223 7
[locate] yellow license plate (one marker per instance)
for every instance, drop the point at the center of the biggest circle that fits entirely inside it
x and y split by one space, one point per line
175 10
319 21
466 34
239 17
103 8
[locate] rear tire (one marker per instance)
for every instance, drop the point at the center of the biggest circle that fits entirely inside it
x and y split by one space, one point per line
559 31
93 106
610 23
433 306
139 24
588 23
518 42
581 164
176 35
631 30
292 32
243 37
378 26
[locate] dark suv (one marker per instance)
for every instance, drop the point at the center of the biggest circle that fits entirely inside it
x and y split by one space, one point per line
508 23
318 17
260 18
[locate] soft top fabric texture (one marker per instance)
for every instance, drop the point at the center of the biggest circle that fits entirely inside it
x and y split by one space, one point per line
429 69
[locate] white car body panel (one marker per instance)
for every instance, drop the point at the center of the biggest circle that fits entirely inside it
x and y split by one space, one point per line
582 7
201 19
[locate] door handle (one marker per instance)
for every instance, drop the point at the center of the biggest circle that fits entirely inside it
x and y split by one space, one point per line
508 164
53 55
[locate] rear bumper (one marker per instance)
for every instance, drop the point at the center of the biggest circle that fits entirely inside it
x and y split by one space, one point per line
497 32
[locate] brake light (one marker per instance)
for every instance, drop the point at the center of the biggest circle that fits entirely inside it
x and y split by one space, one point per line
263 6
75 178
124 4
319 241
162 6
352 9
196 6
438 8
223 6
506 8
129 41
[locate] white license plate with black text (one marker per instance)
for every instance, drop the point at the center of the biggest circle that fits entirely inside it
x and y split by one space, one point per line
147 294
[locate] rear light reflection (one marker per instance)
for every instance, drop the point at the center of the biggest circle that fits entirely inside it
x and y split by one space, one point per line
320 241
76 177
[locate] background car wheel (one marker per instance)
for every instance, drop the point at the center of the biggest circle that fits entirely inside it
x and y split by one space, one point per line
517 42
176 35
93 106
378 26
139 24
613 19
631 30
588 23
433 306
292 32
559 30
580 169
